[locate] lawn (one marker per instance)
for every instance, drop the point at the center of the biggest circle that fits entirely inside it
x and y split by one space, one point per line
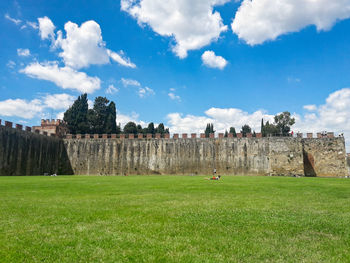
174 219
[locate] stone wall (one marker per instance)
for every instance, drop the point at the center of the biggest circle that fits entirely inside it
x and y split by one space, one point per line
231 156
27 153
23 152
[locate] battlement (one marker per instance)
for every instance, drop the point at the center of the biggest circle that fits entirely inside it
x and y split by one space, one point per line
51 122
177 136
20 127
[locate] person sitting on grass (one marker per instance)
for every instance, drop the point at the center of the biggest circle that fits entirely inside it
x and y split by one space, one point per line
214 178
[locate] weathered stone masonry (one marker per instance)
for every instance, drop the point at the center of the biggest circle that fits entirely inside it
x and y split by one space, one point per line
27 153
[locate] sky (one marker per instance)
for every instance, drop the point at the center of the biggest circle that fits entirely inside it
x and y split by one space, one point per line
184 63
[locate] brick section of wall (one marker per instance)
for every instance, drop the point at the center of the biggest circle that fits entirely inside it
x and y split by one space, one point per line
19 127
96 136
8 124
131 136
212 135
249 135
221 135
113 136
193 135
202 135
239 135
309 135
167 136
78 136
140 136
259 135
230 135
158 136
184 136
122 136
149 135
176 136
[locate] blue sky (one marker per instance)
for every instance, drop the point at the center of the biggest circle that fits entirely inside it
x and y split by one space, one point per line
183 63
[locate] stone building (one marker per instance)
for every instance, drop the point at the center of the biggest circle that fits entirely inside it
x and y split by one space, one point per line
57 127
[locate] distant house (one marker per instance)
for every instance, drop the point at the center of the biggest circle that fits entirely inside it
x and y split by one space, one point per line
57 127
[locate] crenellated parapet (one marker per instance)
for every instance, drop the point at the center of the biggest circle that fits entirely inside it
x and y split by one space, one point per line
177 136
20 127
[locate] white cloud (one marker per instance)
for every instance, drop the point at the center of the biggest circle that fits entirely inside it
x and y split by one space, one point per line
13 20
32 25
130 82
173 96
193 24
146 91
36 107
134 117
66 78
121 59
222 119
111 89
58 101
20 108
84 46
310 107
46 28
11 64
23 52
213 61
257 21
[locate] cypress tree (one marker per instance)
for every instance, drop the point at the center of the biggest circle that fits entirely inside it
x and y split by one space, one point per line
76 116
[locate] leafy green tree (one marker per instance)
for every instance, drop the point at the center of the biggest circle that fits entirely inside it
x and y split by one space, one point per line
76 116
111 124
99 114
246 129
226 134
270 129
283 123
160 129
130 127
209 129
263 128
139 129
150 128
233 131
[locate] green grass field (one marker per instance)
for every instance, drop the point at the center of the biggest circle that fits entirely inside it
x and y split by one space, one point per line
174 219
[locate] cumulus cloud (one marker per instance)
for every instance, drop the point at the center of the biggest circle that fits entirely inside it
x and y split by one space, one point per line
64 77
121 59
146 91
193 24
23 52
130 82
11 64
111 89
46 28
58 101
13 20
310 107
84 46
222 119
213 61
123 119
29 109
257 21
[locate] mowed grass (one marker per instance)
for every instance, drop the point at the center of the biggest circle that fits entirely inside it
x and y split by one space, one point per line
174 219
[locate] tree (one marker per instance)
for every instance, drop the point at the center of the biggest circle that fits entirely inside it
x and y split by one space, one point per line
283 122
263 128
150 128
270 129
246 129
111 124
139 129
76 116
99 114
209 129
130 127
226 134
160 129
233 131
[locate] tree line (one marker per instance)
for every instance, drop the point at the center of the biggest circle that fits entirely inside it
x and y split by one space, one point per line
101 119
280 127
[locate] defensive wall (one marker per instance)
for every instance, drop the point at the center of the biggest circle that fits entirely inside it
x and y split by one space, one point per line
23 152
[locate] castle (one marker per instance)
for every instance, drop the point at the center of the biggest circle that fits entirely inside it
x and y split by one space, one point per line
35 152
